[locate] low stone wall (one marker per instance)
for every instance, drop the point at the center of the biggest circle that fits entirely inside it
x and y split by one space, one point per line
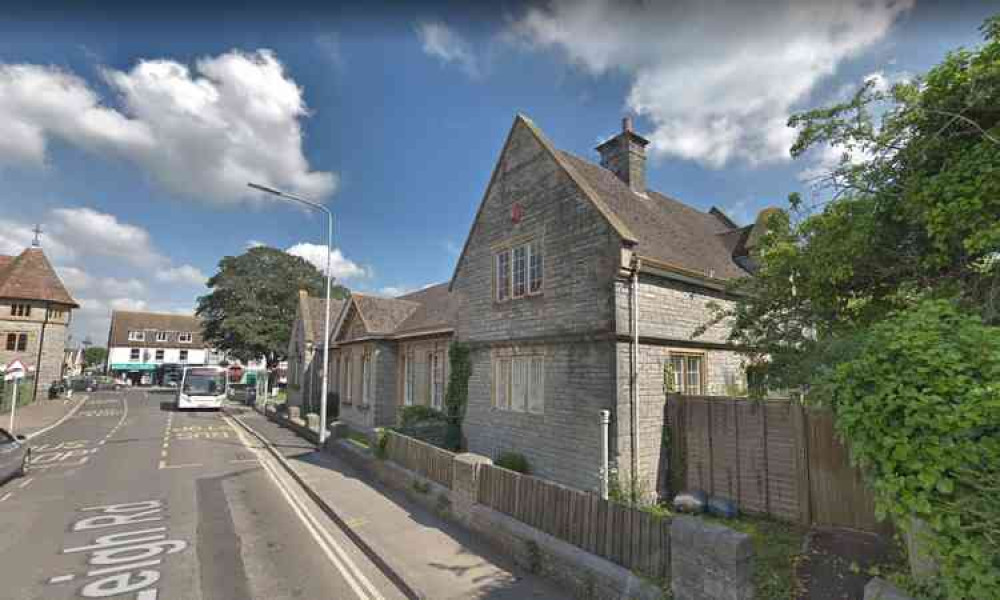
709 561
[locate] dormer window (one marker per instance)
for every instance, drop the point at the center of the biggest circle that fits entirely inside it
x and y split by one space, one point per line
20 310
184 338
137 336
161 336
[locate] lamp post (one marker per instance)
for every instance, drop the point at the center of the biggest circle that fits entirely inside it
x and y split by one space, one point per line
326 326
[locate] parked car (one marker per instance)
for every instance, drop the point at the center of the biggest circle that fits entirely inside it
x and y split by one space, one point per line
14 455
56 389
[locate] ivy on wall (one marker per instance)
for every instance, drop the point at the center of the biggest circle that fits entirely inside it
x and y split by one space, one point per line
456 397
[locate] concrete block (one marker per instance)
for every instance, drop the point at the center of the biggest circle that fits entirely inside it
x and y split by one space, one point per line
880 589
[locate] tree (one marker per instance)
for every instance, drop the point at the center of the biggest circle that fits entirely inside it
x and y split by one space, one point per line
251 307
883 302
911 211
94 356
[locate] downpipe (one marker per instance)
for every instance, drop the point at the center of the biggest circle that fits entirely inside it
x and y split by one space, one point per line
634 374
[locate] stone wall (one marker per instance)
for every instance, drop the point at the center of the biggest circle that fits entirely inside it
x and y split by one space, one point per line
564 443
570 320
669 309
54 342
709 561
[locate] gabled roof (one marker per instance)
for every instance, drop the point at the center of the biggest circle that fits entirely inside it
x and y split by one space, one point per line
312 311
437 310
668 230
658 227
382 316
30 276
124 321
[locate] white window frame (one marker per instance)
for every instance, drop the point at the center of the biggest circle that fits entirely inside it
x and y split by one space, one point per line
185 337
534 245
437 380
182 356
519 271
162 336
502 280
408 378
682 377
137 336
159 354
366 372
134 354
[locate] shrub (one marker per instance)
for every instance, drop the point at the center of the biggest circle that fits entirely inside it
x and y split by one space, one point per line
457 394
920 405
412 415
514 461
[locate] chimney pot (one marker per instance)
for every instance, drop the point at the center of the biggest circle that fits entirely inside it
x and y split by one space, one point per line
625 156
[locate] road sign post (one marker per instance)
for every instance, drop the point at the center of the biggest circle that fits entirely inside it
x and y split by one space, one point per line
14 372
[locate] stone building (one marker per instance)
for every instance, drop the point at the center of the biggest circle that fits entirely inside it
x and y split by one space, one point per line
578 290
304 383
35 310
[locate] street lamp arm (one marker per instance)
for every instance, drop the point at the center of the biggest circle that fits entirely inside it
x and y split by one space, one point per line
329 284
286 195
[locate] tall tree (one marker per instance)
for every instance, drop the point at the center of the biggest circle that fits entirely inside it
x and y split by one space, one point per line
94 356
250 309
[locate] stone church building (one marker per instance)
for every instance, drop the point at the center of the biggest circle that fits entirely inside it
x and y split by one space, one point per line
35 310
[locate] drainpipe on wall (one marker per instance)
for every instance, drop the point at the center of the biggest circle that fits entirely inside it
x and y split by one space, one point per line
634 375
605 422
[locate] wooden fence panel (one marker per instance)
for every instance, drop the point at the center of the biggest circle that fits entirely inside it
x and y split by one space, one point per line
771 457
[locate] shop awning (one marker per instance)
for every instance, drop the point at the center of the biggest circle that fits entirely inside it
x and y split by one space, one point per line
133 366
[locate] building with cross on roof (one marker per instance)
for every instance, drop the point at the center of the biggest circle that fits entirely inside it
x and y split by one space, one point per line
35 310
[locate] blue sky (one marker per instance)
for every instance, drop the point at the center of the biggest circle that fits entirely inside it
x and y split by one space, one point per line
131 141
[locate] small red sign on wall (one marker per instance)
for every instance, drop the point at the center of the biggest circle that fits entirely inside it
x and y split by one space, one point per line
516 213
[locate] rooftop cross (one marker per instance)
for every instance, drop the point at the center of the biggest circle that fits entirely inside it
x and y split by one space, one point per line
38 236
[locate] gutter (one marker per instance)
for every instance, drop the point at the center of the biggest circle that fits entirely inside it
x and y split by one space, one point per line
669 271
634 371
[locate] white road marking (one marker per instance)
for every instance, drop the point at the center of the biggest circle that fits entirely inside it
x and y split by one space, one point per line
5 496
334 553
164 465
71 412
25 483
61 578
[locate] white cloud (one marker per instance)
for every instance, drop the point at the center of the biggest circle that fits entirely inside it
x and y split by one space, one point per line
106 264
717 80
184 274
202 134
446 44
87 231
340 266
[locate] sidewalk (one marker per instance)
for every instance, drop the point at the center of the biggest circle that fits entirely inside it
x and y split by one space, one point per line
438 559
41 414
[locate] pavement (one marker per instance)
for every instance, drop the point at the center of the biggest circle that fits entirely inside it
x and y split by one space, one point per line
128 498
434 557
41 414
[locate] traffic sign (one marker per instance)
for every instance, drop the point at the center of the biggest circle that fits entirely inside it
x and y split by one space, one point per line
14 370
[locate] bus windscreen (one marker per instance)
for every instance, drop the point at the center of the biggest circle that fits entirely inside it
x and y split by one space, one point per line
204 382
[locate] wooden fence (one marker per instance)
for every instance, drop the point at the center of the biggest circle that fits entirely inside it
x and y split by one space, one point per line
430 461
632 538
771 457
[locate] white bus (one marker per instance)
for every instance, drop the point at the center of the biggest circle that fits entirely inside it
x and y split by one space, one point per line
202 387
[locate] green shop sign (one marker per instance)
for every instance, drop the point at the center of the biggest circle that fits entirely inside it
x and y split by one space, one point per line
133 367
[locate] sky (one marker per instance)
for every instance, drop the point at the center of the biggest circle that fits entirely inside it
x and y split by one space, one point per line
130 135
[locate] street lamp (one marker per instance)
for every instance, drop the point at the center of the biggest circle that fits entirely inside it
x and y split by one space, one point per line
326 326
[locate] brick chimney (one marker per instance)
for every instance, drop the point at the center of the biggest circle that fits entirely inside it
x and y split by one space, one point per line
625 156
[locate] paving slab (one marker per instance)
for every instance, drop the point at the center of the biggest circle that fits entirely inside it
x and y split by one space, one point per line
437 558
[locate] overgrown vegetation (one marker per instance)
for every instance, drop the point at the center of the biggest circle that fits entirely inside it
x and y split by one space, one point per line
776 547
358 439
411 415
381 444
457 395
514 461
882 300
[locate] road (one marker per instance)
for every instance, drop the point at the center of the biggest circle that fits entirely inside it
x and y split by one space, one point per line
131 499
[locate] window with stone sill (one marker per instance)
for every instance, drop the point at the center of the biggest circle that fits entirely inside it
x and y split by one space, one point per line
17 342
519 383
688 373
518 271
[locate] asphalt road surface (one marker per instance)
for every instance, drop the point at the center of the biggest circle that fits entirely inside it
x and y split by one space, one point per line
131 499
